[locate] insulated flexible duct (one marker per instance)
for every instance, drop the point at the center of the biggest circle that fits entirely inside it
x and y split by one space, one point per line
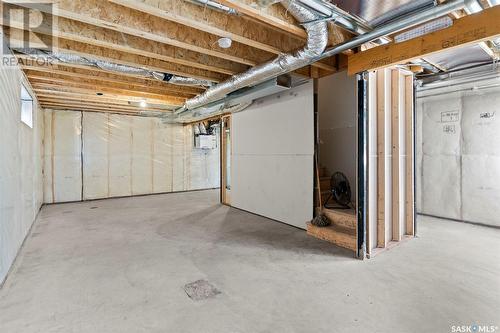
317 40
112 67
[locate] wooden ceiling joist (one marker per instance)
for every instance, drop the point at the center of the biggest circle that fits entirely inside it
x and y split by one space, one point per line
57 78
17 38
97 36
89 74
120 94
46 98
108 107
104 14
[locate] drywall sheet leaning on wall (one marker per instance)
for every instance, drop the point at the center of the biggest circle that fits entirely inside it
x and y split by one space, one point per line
460 154
21 180
123 156
272 160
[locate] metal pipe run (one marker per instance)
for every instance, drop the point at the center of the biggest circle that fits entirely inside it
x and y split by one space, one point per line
395 26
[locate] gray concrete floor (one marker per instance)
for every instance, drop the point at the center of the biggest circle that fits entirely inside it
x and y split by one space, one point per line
120 266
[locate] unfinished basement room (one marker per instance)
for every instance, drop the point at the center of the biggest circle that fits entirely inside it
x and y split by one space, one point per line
244 166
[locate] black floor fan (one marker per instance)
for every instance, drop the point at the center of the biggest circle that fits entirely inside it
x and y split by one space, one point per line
340 192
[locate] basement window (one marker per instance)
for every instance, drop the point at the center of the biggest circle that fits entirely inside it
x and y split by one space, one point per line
26 107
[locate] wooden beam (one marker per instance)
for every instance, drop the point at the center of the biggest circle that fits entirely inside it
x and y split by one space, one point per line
108 92
104 14
90 74
17 38
85 105
98 36
74 108
381 153
395 132
58 78
43 97
240 29
410 168
54 92
467 30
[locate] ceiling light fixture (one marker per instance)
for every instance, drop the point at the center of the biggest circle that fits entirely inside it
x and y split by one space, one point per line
225 42
143 104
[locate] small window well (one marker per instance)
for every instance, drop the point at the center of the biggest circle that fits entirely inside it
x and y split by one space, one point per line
26 107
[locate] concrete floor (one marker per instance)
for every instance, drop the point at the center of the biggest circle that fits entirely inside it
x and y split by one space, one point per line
120 266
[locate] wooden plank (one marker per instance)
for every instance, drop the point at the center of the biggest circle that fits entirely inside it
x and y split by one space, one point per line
395 132
343 237
467 30
277 16
113 93
93 103
89 73
98 36
105 88
17 38
239 28
104 14
381 239
410 167
58 78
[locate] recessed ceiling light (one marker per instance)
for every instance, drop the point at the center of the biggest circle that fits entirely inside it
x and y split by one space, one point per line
143 104
225 42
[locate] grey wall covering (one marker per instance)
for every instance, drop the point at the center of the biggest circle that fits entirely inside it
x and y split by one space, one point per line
458 164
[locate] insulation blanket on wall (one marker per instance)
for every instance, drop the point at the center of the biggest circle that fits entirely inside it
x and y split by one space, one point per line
98 155
459 158
21 193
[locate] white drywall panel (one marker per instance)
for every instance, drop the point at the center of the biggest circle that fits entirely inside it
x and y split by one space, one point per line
273 152
21 180
337 108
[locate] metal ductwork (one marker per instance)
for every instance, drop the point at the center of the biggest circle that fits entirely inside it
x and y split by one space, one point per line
215 6
395 26
113 67
317 40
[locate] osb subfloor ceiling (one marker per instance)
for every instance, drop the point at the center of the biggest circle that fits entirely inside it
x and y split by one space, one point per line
168 36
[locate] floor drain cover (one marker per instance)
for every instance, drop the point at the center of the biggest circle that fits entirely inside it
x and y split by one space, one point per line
201 290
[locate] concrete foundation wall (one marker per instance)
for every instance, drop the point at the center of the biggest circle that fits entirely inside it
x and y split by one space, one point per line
273 153
21 147
96 155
